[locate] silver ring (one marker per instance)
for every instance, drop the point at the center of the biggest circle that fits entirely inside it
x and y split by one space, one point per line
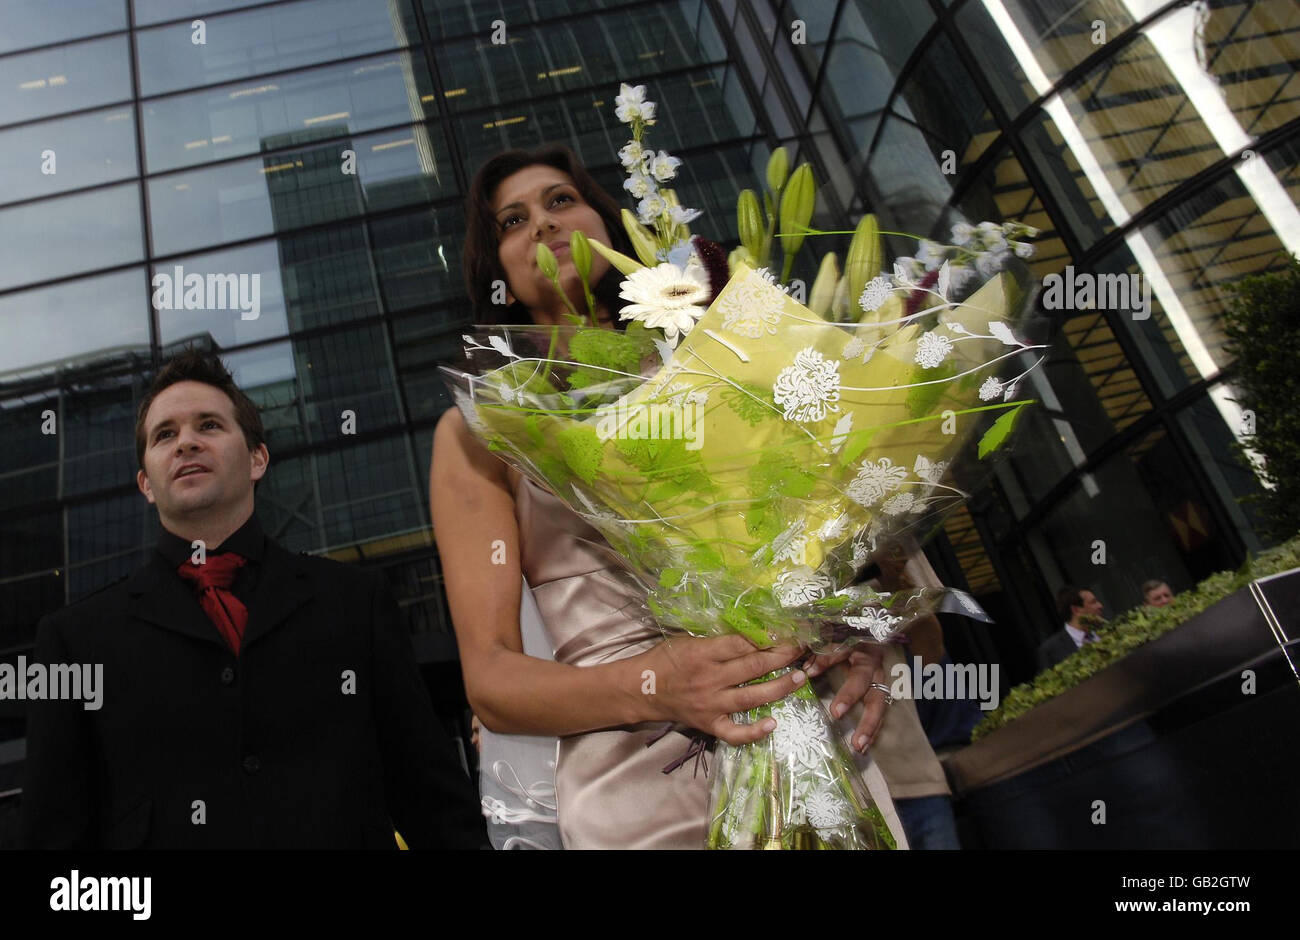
889 699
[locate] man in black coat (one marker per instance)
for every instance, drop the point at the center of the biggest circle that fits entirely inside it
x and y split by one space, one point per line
1076 607
250 697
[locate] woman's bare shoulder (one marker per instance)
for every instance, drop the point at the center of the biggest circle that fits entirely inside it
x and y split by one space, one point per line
454 442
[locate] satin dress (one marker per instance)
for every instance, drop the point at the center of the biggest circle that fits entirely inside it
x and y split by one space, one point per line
610 788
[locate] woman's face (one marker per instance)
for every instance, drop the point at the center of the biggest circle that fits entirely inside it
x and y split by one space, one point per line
541 204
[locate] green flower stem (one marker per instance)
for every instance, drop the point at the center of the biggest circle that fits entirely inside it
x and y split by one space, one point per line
814 231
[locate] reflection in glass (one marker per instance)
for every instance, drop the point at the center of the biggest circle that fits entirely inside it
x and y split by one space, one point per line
296 187
87 150
450 18
1212 444
30 23
599 50
319 278
700 114
155 11
43 240
1060 33
64 78
240 45
1250 51
353 97
85 318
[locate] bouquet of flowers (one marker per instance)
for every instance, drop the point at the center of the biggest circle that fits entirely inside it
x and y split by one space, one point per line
746 456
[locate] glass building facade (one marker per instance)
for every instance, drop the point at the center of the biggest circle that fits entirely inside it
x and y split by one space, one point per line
326 145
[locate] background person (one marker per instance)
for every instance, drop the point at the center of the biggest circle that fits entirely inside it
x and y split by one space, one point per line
1072 603
257 699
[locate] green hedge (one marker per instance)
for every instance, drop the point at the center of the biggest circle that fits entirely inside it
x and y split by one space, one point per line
1132 629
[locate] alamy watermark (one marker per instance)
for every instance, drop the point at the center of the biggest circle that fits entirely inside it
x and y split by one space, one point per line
946 681
653 421
193 291
1074 290
57 681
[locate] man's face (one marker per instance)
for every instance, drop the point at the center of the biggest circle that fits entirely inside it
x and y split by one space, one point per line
1159 596
1090 604
195 457
541 204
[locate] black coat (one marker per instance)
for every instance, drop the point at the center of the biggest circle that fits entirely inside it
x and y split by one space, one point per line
266 749
1057 647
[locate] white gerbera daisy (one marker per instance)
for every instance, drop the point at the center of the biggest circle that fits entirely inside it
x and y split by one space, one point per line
666 297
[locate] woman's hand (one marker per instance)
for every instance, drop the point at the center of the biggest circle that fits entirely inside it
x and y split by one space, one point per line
865 667
696 681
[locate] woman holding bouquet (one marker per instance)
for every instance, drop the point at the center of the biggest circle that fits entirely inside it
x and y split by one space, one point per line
616 683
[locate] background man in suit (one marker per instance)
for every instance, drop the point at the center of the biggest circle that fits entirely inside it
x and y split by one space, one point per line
1072 603
251 697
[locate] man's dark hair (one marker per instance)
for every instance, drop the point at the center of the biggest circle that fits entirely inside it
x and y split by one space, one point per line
1067 597
1149 586
482 263
194 365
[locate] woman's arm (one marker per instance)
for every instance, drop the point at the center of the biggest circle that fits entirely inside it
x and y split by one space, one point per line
512 693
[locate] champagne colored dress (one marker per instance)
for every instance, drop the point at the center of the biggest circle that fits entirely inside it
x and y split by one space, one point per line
610 788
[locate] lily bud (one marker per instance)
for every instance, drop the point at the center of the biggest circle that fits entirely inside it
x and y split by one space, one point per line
749 222
619 260
797 204
862 263
778 168
580 251
642 240
546 262
738 257
823 289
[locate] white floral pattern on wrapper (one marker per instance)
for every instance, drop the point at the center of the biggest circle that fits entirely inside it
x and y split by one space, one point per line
751 307
801 734
879 623
932 349
825 809
808 389
875 481
800 585
990 390
900 503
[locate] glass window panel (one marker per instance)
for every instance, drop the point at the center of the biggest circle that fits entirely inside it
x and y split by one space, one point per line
65 78
29 461
1251 52
1029 45
98 424
1087 393
314 279
1213 238
598 50
233 121
1212 444
450 18
39 22
88 149
240 45
1131 503
422 343
864 62
297 187
97 321
155 11
369 491
817 17
55 237
700 114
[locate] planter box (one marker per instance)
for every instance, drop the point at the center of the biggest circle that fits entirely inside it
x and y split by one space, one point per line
1164 738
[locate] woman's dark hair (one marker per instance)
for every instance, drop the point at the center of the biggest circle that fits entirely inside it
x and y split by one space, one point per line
482 262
